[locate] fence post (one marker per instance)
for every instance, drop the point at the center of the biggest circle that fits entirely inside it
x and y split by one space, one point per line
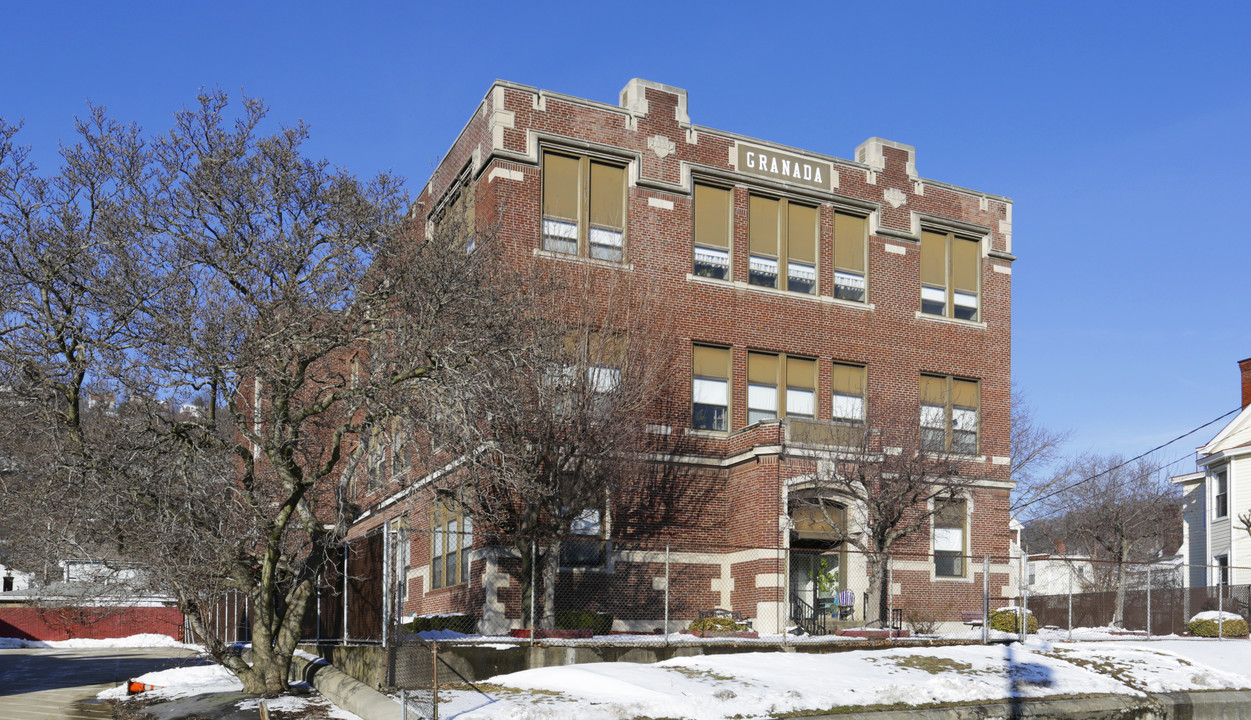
1220 609
1070 567
434 679
1186 587
1148 602
534 589
666 594
386 581
1023 613
347 551
985 599
890 599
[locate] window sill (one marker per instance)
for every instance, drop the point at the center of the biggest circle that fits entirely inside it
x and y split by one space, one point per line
628 267
738 285
950 321
713 434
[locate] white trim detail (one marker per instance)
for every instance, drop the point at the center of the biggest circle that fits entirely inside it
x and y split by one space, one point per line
660 203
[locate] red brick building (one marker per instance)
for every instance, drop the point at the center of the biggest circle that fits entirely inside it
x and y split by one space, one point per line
804 289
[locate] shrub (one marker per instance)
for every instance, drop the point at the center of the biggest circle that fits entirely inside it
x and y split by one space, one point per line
712 624
1005 620
1234 627
597 623
464 624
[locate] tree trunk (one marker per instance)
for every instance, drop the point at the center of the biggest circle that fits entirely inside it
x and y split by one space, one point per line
550 568
879 597
1118 618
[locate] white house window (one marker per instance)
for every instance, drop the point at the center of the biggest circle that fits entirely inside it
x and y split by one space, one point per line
1221 494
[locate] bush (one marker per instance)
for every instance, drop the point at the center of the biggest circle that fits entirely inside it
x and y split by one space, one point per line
1005 620
713 624
597 623
1234 627
464 624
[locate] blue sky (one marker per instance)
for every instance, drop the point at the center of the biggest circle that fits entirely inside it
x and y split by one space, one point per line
1118 130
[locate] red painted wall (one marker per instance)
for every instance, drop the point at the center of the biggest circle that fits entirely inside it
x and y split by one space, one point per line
66 623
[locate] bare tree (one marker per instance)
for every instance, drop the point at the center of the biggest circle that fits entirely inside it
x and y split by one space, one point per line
1035 449
878 482
1116 513
553 445
292 297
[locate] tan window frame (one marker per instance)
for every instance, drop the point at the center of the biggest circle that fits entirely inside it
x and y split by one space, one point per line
451 539
951 275
784 239
584 206
950 414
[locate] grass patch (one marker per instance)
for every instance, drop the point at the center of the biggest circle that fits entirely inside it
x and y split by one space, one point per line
696 674
931 665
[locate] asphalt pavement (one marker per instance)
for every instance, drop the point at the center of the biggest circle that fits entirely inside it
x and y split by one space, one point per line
46 683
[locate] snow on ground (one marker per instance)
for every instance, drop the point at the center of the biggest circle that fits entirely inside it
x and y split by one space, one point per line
180 682
134 641
748 685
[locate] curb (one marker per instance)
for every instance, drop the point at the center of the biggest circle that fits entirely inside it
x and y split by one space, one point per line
344 690
1200 705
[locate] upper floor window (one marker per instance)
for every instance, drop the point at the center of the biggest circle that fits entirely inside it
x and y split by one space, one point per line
780 386
949 414
851 236
583 207
710 388
950 275
713 231
1221 494
782 241
848 393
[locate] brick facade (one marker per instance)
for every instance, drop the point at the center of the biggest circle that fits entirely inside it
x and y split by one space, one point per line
747 471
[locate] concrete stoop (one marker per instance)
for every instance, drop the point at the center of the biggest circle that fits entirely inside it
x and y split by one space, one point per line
355 696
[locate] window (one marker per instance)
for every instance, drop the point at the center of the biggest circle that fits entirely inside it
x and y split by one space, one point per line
583 207
586 548
950 275
450 541
851 234
949 409
766 373
8 583
399 447
710 388
949 538
455 218
600 354
1222 569
848 393
713 225
783 244
1221 494
372 441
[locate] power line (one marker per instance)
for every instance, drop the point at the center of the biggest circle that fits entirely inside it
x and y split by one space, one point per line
1066 488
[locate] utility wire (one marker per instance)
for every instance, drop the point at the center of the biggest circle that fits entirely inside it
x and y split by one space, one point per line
1066 488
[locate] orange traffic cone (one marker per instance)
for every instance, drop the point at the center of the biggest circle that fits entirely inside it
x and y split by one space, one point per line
134 687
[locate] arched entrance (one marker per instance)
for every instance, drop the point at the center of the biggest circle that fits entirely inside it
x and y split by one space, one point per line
817 566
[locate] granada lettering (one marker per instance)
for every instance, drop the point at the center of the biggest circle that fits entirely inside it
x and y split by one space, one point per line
786 167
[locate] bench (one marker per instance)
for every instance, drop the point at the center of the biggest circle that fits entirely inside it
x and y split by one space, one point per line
972 618
721 613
